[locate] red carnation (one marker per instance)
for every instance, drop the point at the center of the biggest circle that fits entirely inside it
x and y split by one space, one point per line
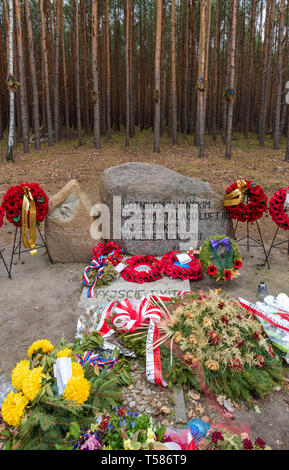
260 443
225 319
260 361
2 213
271 352
217 436
256 335
247 444
214 338
239 343
236 365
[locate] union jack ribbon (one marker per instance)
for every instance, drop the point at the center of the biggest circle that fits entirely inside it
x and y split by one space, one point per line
97 263
92 359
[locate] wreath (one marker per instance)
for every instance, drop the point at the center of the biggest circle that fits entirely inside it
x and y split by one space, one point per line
229 94
13 201
2 213
172 267
110 251
220 258
277 209
234 201
202 84
142 269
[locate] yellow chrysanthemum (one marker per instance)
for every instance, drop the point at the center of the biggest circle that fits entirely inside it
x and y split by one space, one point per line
212 365
32 383
19 373
207 322
77 390
64 353
13 408
42 344
77 369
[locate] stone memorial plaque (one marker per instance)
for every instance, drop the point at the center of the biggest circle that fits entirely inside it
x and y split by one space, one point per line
153 210
68 224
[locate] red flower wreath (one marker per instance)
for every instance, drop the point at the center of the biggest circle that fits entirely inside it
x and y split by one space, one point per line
111 251
276 209
13 200
256 207
132 274
2 213
171 268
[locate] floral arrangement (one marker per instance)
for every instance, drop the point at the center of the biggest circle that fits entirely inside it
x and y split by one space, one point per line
2 213
223 439
229 94
220 258
13 200
35 416
227 341
121 430
235 206
172 267
142 269
276 209
110 251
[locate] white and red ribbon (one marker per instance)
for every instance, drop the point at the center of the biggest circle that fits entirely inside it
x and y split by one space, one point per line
272 318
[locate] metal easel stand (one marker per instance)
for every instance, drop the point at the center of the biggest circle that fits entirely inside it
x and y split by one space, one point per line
17 245
248 238
275 245
4 262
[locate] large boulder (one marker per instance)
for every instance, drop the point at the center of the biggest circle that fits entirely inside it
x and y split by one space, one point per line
68 226
133 191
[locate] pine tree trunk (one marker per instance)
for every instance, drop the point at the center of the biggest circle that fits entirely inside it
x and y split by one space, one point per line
46 73
232 80
95 78
250 68
108 72
22 79
9 155
173 77
64 73
277 133
157 88
56 73
77 79
201 76
32 66
216 70
84 62
127 70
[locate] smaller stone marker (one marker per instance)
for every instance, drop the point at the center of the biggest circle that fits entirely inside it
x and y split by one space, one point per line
67 226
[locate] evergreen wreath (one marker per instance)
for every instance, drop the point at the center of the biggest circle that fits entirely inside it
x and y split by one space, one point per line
13 201
134 273
220 258
276 209
172 267
235 206
110 251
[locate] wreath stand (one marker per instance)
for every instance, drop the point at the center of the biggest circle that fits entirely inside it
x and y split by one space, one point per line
275 245
17 251
4 262
248 238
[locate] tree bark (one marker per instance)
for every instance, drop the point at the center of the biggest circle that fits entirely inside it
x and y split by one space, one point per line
232 80
22 79
173 77
77 79
157 90
127 70
277 134
56 72
94 58
9 155
32 66
46 73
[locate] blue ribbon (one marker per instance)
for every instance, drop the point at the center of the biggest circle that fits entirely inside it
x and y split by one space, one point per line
225 242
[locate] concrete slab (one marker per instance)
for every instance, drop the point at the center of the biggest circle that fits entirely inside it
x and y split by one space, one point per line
120 290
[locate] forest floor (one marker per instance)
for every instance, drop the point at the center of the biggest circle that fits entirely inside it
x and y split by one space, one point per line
41 300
